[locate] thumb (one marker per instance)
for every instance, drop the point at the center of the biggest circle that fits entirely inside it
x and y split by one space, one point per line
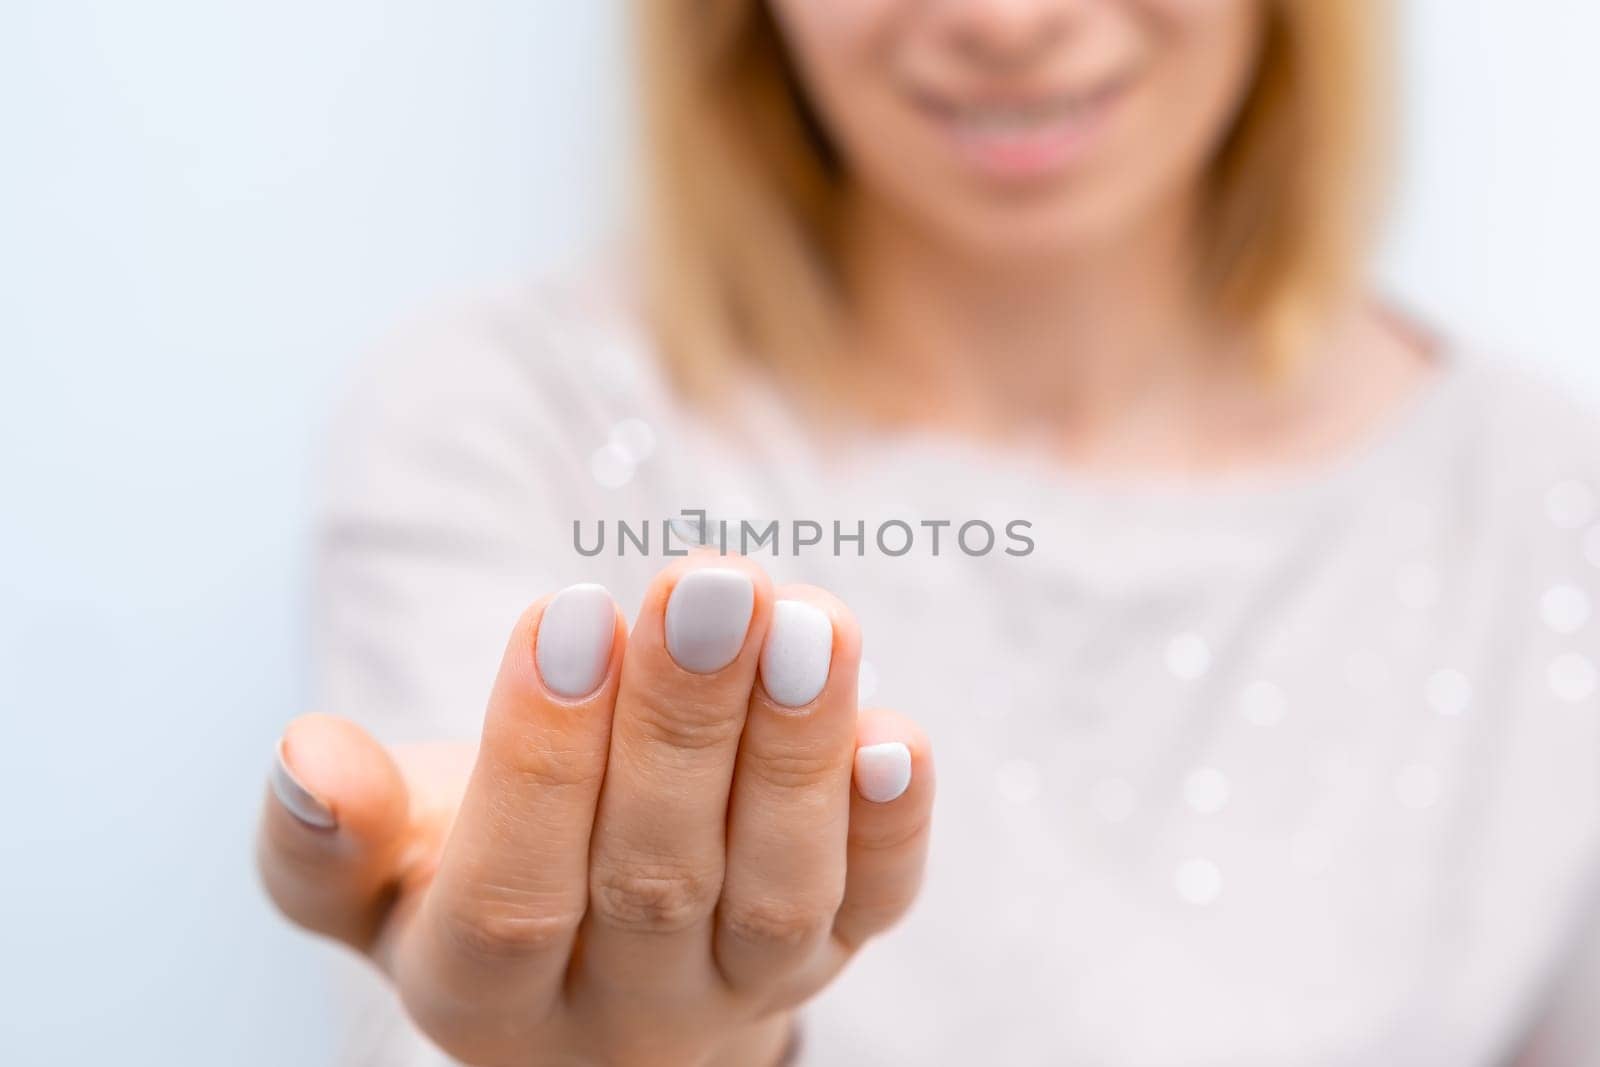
333 829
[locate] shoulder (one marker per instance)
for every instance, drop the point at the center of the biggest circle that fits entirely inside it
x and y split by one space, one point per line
1521 496
1522 395
1529 429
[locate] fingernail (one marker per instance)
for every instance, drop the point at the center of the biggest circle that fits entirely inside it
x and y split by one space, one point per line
708 615
573 648
798 652
883 771
300 801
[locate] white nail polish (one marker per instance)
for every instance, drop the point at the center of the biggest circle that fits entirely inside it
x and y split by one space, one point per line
883 771
708 616
299 800
574 643
798 652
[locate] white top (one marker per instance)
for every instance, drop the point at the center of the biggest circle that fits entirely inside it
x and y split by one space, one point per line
1298 770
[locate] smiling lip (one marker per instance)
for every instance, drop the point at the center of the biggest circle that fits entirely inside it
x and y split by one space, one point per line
1025 138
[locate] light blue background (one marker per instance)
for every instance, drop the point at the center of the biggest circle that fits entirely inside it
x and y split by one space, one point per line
206 210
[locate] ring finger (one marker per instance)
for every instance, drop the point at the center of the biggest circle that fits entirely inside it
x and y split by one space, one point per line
788 819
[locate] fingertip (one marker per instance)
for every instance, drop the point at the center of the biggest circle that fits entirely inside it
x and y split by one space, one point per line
890 821
893 756
575 639
666 580
883 771
328 845
708 611
298 799
846 629
330 774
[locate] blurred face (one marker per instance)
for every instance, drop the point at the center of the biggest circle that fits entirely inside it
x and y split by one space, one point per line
1025 127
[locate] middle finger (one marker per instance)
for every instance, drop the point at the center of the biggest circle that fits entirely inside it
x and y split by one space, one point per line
658 854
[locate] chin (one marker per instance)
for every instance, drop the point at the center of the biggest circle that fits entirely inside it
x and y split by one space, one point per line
1060 229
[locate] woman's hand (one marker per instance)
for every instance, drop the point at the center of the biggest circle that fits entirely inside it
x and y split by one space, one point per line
653 858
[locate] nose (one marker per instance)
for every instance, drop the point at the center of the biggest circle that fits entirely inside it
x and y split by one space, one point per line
1009 34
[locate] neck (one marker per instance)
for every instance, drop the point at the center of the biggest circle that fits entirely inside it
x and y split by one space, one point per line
1065 341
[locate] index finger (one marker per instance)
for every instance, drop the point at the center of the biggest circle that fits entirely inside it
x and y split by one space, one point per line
498 923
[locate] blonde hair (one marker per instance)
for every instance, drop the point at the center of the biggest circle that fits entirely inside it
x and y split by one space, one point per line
743 193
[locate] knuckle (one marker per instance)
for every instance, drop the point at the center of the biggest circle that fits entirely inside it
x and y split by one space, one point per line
532 762
691 723
305 889
777 923
872 920
653 899
887 837
794 770
503 933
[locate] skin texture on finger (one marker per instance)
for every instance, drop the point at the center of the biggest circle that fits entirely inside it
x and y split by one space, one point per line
888 841
658 856
789 813
492 938
332 867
